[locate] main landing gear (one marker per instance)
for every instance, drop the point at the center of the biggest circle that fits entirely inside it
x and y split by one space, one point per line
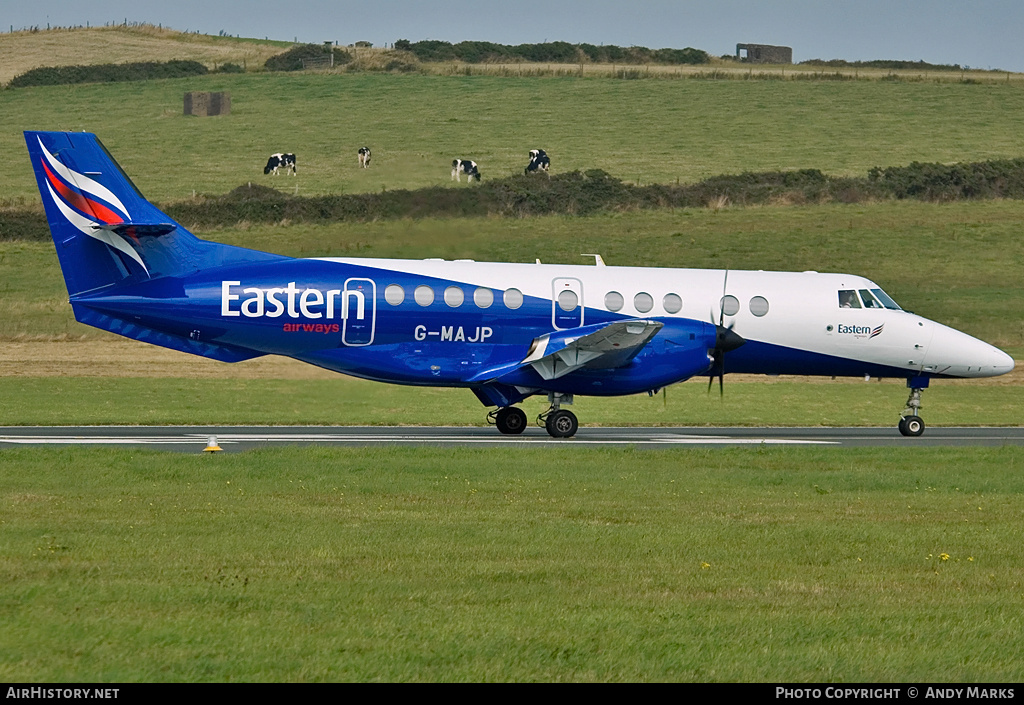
510 420
559 422
911 424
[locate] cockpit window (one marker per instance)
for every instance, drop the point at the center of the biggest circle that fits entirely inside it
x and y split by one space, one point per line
886 301
848 299
869 300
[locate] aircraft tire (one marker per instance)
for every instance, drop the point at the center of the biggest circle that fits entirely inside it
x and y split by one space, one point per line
510 420
911 425
562 424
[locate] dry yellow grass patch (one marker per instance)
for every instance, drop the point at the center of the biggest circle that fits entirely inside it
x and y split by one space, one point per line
23 51
717 69
129 358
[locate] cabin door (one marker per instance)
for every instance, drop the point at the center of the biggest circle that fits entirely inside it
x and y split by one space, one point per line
566 303
359 308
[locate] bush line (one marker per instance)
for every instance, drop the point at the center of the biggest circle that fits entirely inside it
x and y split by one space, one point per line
108 73
549 52
576 193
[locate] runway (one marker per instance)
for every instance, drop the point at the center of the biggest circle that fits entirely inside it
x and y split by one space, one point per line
191 439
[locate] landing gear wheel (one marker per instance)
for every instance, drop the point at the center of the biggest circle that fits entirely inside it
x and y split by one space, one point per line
511 420
561 424
911 425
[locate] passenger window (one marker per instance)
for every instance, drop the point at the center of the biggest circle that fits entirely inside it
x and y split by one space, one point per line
613 301
567 300
643 302
672 303
759 306
394 294
848 299
513 298
483 297
424 295
730 305
453 296
869 300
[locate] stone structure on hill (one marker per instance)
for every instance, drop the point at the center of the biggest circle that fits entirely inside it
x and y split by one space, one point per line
205 104
765 54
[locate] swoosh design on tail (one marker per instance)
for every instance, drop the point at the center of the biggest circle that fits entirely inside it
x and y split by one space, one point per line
81 181
79 199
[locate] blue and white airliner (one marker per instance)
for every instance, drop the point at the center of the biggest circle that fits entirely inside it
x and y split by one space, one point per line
504 331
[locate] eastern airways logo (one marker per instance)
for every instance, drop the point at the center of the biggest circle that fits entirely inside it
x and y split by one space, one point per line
860 331
87 204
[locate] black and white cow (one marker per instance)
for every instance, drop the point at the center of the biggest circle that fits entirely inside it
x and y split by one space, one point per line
538 161
467 167
280 161
364 157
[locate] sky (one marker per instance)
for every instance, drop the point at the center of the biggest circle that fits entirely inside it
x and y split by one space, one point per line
981 34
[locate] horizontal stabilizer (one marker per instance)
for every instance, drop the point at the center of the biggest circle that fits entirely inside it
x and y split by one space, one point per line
130 228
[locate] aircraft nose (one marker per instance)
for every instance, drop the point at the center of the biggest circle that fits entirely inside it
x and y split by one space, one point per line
961 355
1003 362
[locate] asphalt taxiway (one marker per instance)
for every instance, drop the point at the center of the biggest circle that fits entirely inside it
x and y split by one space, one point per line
192 439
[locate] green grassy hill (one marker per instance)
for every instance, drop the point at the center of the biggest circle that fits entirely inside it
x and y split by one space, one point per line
641 131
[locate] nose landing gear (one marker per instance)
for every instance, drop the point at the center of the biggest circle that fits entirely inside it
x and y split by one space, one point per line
911 424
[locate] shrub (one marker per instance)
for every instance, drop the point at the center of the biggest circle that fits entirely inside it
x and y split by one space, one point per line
108 73
883 64
548 52
433 50
292 60
1002 178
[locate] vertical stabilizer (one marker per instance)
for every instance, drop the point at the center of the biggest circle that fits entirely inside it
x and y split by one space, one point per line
106 233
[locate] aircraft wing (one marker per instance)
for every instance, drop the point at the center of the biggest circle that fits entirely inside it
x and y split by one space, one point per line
604 345
612 345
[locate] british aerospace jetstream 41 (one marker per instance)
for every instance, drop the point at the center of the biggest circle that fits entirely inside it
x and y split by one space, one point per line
504 331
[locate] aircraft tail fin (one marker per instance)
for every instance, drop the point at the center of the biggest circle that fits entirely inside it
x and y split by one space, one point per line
105 231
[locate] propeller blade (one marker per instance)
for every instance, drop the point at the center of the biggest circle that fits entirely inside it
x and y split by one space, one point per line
725 340
721 303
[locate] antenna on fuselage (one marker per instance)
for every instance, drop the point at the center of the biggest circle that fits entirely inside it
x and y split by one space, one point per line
598 260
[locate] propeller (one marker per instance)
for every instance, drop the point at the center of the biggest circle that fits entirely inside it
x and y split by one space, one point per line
726 339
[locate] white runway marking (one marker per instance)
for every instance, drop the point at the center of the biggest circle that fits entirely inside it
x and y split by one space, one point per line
189 439
233 438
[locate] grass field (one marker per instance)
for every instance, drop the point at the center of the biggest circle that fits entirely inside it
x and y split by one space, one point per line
640 131
735 565
109 398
